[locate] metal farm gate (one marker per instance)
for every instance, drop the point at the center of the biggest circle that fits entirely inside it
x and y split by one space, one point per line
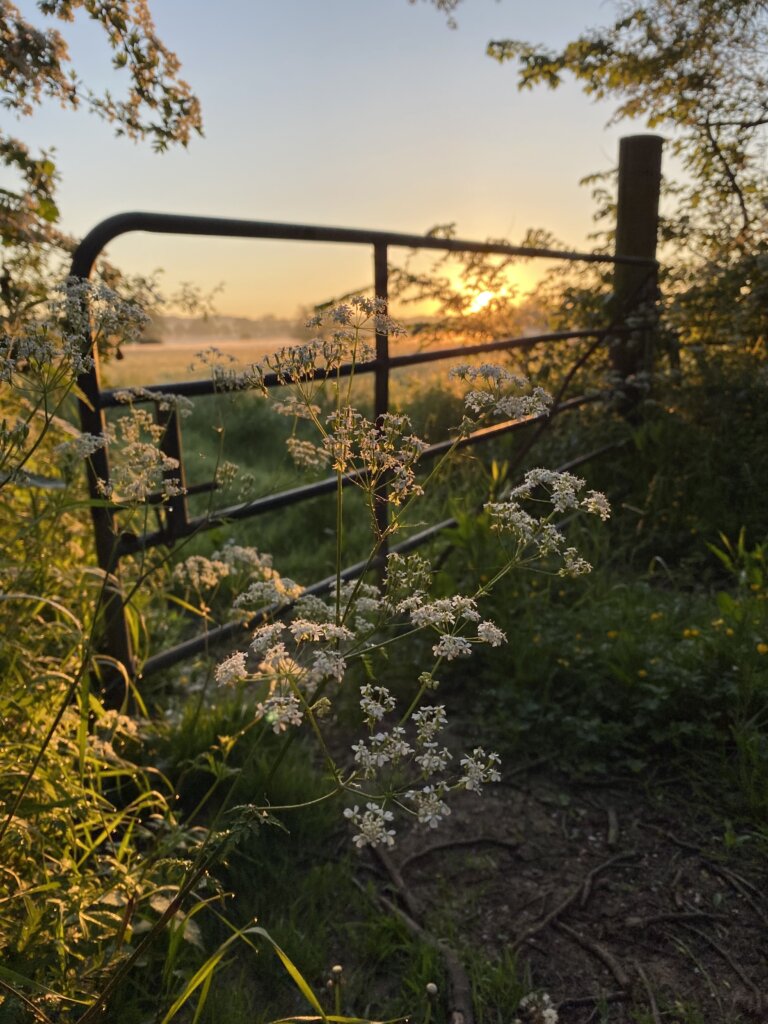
635 286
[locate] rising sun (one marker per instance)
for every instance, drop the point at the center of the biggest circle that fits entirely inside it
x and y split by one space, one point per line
480 301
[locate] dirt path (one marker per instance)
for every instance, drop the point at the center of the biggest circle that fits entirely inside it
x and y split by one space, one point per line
626 908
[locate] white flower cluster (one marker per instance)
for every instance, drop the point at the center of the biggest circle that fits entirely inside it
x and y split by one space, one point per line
80 447
306 454
48 354
382 748
140 470
200 573
351 323
232 670
142 473
280 710
479 768
541 536
384 450
242 558
563 490
387 753
361 312
82 308
536 1008
272 589
448 616
372 825
375 702
501 393
428 805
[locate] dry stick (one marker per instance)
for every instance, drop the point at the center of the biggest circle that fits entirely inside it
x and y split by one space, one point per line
461 990
613 828
651 998
739 883
671 837
598 951
731 876
35 1010
585 887
731 963
541 925
394 873
427 851
671 918
609 997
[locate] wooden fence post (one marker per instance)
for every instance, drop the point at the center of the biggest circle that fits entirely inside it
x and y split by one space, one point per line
635 285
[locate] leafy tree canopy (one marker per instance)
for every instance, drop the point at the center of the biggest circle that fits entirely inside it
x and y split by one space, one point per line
697 69
35 66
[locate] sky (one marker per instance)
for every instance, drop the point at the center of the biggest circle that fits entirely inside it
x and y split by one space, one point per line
355 113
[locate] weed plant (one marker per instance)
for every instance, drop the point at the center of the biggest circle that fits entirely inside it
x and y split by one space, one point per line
659 670
127 828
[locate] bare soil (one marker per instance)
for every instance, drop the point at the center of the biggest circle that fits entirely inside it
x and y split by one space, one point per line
626 907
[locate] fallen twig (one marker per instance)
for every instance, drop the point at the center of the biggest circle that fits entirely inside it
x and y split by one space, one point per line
613 828
460 997
598 951
649 991
608 997
731 963
427 851
586 888
741 885
397 879
681 917
583 891
670 836
541 925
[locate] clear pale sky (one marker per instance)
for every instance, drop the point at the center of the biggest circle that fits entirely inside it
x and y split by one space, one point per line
359 113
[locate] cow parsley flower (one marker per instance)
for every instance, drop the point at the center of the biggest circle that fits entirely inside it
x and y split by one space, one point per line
450 647
375 702
372 824
280 710
432 759
429 720
479 768
232 670
597 504
490 633
428 804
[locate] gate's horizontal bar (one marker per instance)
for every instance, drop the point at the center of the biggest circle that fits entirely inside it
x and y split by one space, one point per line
113 397
132 543
189 492
98 237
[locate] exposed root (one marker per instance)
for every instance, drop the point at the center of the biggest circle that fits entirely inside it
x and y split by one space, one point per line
613 965
582 893
649 992
460 994
454 844
738 971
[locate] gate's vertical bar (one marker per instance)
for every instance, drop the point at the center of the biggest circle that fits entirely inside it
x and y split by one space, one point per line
117 640
381 377
637 220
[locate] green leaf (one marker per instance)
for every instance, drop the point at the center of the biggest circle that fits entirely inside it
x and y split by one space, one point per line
295 974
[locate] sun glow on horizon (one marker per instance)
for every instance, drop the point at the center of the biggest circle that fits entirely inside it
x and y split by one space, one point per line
480 301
